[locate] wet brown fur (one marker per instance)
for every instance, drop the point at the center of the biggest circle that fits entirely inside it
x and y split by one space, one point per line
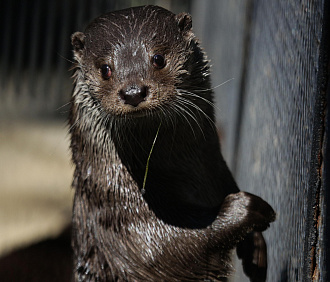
192 214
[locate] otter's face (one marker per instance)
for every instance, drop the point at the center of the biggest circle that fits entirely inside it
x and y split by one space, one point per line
133 60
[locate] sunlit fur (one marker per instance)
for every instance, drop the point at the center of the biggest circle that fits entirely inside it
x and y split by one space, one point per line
184 226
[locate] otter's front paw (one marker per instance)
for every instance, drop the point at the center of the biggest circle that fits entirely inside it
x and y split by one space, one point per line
252 212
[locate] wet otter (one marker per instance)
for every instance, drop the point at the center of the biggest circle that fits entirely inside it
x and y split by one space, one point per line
140 73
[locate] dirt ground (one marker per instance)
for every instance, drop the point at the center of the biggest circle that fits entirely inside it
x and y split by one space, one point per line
35 179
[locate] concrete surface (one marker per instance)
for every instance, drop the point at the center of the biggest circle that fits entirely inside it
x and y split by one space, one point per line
35 180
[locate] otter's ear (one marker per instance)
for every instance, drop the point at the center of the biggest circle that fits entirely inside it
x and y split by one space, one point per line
78 43
184 22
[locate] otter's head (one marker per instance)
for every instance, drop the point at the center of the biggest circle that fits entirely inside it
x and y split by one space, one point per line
134 60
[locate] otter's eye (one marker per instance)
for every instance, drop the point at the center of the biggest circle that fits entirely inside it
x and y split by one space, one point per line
158 61
105 71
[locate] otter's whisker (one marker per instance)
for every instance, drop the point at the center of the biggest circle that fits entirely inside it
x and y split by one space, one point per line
217 86
185 92
190 103
184 109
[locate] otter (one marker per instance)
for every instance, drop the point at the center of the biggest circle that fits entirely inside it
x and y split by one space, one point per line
154 199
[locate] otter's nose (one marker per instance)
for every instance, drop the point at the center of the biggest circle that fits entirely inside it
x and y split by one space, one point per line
133 95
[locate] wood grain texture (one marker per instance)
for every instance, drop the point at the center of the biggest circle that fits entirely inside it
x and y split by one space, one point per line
280 121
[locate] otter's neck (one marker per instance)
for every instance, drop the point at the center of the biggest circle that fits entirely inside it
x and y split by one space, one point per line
184 161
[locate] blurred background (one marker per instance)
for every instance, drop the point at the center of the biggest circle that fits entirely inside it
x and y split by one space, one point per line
270 73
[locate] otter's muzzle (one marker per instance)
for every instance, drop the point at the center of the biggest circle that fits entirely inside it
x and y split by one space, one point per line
133 95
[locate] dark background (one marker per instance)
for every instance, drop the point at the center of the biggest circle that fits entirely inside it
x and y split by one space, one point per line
272 115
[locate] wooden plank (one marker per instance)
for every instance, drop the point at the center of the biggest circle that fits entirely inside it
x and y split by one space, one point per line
280 139
220 25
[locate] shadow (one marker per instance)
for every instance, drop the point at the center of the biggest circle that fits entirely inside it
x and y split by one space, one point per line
284 274
49 260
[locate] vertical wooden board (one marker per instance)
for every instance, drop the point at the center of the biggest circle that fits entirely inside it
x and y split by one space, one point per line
220 25
276 133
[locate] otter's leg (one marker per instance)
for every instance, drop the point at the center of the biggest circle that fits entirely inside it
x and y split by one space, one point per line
253 253
240 214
